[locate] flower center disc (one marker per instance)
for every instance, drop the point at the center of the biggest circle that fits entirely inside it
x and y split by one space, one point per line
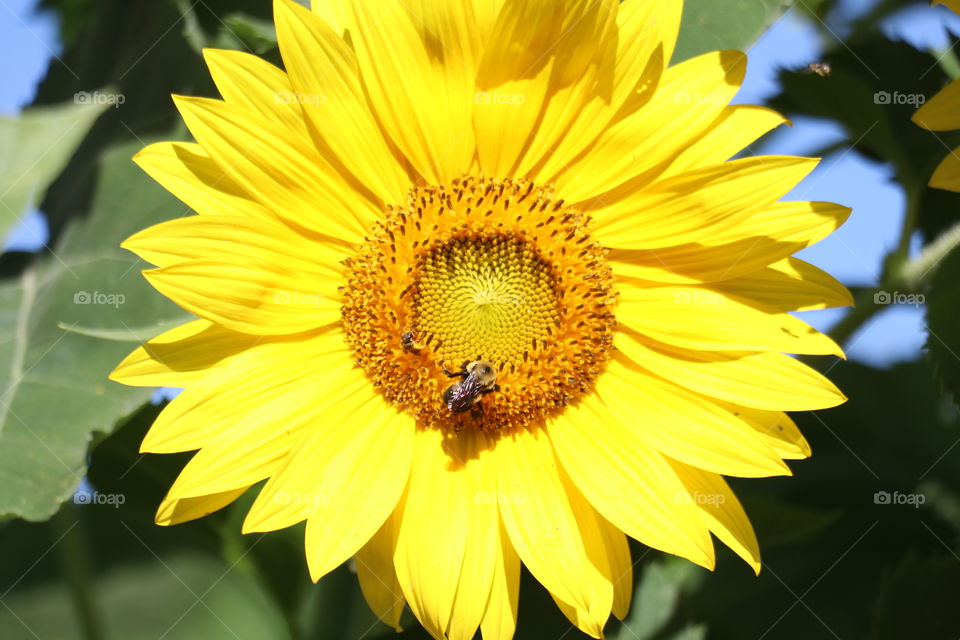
481 269
488 297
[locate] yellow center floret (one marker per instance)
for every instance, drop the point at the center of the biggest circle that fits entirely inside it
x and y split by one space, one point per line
482 269
487 297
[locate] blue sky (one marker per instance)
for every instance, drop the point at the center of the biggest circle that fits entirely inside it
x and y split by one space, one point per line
853 254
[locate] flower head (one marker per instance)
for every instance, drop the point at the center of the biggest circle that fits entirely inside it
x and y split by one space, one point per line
478 285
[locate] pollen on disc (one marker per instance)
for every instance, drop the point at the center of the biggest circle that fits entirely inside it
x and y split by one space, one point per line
488 297
480 269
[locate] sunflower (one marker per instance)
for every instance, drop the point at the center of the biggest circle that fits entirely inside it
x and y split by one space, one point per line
942 113
477 285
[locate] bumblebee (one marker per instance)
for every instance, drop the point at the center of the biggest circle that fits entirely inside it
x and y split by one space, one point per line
409 343
479 378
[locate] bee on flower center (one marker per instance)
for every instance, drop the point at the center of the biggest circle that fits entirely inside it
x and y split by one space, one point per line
479 378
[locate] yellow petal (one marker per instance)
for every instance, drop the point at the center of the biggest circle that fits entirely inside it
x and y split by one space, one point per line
324 72
324 473
617 554
378 578
277 170
186 509
771 381
777 430
947 174
680 424
482 553
582 73
253 84
357 482
700 204
188 172
766 237
721 511
628 481
688 99
514 78
261 297
941 112
446 552
954 5
238 394
418 70
553 528
485 13
182 356
334 12
737 127
697 318
621 567
236 238
646 35
787 285
500 617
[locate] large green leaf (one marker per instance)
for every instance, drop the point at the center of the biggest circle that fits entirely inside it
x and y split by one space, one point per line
35 147
715 25
55 391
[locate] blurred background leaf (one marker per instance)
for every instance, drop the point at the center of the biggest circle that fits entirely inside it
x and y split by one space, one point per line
34 148
716 25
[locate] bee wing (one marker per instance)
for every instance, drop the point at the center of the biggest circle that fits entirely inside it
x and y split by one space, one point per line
462 396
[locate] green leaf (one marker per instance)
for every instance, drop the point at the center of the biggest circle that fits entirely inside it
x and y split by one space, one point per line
35 147
919 590
254 34
126 333
694 632
715 25
943 311
777 523
656 598
53 383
